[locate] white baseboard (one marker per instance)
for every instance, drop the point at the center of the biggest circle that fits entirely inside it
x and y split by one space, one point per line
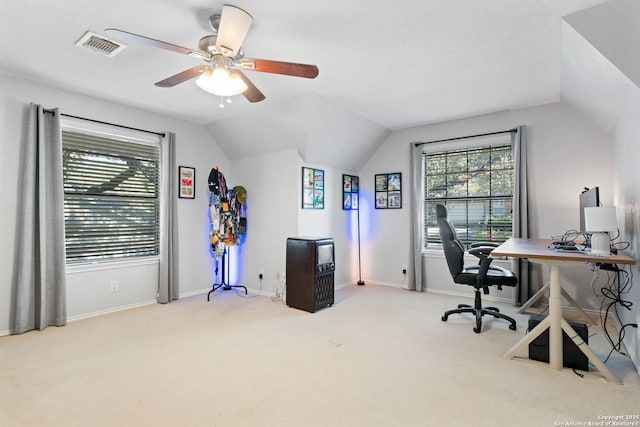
443 292
110 310
129 306
387 284
272 294
470 296
194 293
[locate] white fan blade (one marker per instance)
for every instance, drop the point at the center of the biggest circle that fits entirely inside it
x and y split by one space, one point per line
234 24
121 34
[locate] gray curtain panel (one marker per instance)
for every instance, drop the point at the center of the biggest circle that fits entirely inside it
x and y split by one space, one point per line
40 279
417 219
521 267
168 289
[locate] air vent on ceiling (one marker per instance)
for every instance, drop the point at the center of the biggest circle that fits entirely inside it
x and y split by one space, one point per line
100 44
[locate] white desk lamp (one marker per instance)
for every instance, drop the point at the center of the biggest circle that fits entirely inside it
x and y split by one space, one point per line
600 221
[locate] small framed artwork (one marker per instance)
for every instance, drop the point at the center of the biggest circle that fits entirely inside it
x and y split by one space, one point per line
312 188
350 192
186 182
388 190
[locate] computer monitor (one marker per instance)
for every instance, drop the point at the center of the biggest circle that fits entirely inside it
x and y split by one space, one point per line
589 198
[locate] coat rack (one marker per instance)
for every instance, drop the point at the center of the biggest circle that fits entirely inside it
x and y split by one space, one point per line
223 284
227 211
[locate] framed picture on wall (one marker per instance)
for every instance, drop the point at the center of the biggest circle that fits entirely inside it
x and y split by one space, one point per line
186 182
350 186
312 188
388 189
381 199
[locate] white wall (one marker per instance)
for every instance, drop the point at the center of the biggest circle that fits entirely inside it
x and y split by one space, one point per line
566 152
88 291
438 279
332 221
272 216
274 200
627 199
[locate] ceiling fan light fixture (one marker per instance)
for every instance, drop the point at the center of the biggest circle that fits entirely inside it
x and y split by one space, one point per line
220 75
219 82
234 25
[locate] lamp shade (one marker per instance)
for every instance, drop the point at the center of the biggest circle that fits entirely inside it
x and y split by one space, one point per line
600 219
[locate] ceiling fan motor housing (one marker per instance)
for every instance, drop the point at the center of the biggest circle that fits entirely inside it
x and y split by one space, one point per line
208 44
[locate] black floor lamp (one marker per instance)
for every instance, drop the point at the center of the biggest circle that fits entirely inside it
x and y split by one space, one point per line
360 281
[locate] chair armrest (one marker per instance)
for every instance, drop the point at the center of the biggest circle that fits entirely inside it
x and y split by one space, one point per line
481 251
490 244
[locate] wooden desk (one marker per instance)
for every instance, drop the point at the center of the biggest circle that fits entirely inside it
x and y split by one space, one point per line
537 250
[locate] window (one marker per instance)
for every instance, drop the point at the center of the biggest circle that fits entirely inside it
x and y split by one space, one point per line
111 201
476 185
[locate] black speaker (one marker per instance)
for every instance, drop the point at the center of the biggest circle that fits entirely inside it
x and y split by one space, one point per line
572 357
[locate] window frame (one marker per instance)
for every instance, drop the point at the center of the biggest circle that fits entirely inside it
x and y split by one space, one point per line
469 143
126 135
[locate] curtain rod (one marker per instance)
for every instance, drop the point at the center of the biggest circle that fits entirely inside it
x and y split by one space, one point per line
418 144
162 134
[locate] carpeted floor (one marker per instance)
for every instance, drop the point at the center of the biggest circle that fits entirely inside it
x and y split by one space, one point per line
379 357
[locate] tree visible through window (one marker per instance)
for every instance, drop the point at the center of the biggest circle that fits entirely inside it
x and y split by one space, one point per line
111 203
476 185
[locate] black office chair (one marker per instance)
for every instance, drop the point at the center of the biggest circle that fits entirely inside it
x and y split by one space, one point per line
479 276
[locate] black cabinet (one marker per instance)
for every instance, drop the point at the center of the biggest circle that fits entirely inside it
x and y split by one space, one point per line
310 272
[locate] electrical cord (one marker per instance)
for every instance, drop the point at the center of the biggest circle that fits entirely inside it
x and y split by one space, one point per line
620 248
253 295
569 241
280 296
618 285
568 236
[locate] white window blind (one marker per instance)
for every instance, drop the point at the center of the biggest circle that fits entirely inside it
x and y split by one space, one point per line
111 202
476 185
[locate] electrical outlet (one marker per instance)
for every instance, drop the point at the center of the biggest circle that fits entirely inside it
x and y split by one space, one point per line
277 275
404 269
114 286
261 274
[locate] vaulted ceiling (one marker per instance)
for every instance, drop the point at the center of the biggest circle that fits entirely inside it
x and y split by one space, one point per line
383 65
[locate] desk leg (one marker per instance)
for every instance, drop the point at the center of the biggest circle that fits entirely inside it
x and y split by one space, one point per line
584 348
575 305
526 340
553 322
565 294
533 299
555 318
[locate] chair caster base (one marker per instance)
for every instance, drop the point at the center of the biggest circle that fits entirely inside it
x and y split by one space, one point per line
478 311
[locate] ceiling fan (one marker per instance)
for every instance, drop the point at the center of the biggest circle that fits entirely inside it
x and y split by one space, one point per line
223 53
